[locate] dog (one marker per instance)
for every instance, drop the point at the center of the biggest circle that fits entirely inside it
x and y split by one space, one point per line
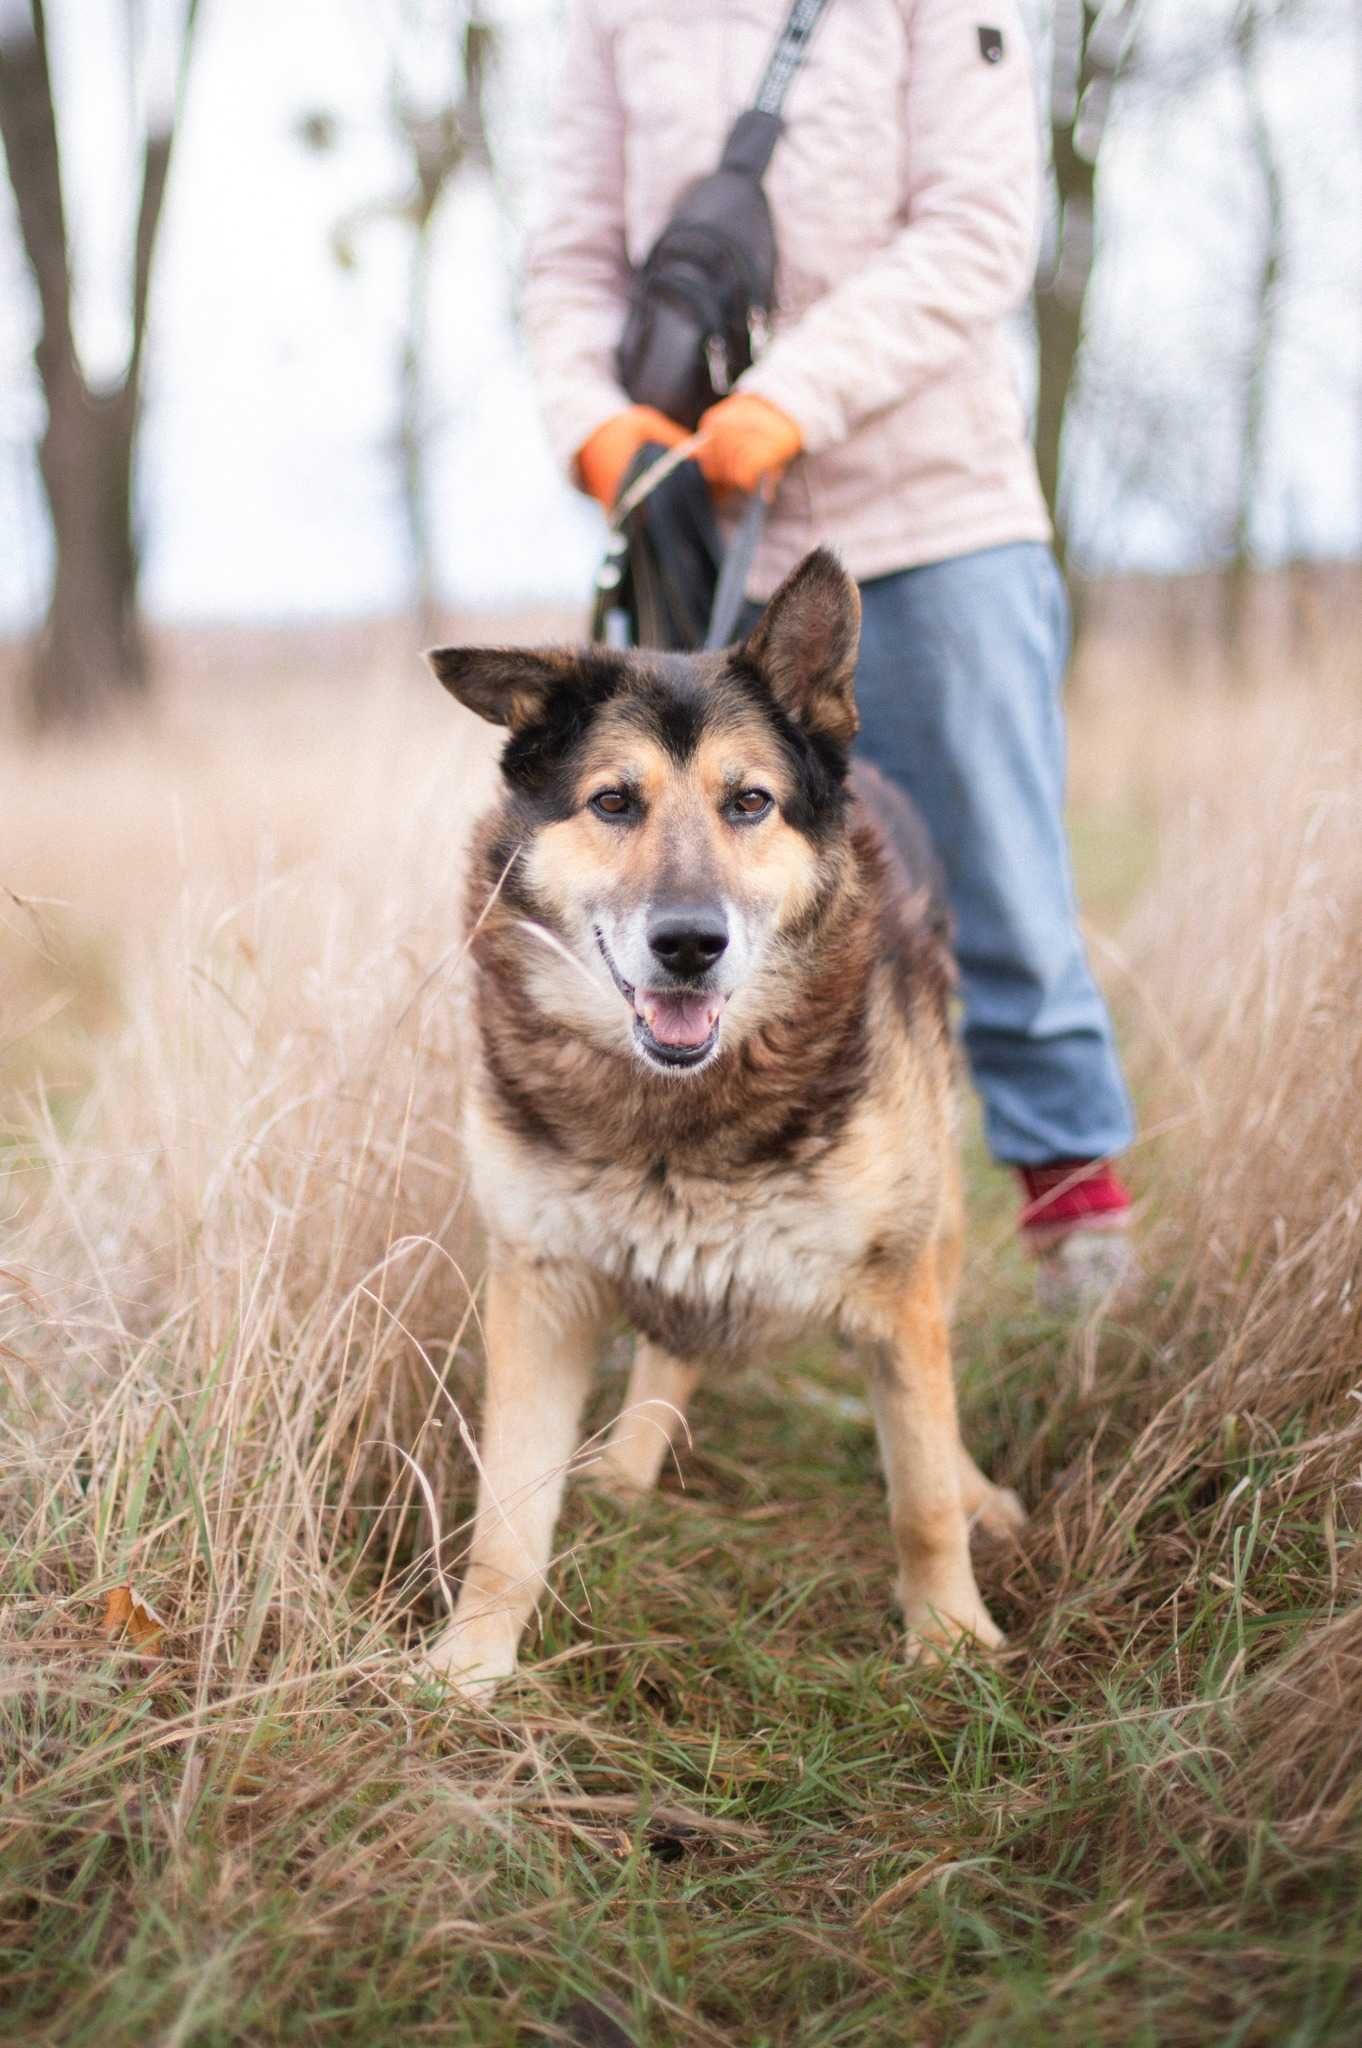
712 1084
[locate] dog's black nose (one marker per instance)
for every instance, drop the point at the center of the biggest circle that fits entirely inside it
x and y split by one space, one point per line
688 939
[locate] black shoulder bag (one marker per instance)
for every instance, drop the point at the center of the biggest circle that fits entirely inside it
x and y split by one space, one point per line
702 296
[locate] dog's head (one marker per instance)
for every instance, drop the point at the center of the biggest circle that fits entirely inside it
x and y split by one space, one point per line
675 814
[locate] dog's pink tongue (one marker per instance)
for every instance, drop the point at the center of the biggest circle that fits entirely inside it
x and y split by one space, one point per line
678 1019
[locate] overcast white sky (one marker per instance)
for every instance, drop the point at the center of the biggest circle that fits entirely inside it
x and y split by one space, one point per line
268 487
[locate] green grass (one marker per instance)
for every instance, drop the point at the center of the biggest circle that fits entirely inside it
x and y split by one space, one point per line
726 1812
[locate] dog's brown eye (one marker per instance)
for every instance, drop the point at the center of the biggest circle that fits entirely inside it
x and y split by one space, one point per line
751 803
612 803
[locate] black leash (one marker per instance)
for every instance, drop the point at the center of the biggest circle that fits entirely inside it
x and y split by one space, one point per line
732 585
658 587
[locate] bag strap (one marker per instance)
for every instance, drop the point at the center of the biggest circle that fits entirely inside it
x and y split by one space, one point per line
792 47
756 131
749 148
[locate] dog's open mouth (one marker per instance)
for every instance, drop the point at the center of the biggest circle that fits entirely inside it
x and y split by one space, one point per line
674 1027
677 1026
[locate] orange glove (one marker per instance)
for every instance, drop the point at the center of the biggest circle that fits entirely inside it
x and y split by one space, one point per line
743 439
603 458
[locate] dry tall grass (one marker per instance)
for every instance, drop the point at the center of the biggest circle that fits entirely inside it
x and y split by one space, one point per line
250 1187
239 1340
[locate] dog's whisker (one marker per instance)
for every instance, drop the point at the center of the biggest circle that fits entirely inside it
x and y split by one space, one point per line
555 945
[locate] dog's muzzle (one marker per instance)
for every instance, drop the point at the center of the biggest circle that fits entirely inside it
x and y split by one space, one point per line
674 1027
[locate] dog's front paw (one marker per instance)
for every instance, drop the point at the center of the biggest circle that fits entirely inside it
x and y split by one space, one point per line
620 1482
474 1657
937 1628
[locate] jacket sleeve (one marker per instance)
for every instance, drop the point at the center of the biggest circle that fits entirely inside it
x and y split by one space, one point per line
575 284
965 254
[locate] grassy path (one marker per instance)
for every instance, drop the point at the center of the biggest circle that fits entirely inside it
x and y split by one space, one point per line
719 1810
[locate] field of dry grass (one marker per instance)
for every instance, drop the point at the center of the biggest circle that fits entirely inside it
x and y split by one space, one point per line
238 1344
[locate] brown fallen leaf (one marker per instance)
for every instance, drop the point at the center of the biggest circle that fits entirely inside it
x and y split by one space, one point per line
128 1615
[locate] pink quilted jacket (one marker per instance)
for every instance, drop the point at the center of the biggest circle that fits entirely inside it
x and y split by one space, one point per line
904 192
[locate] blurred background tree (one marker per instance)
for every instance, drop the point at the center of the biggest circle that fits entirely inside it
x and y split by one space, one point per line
90 649
439 59
1199 383
1088 46
324 410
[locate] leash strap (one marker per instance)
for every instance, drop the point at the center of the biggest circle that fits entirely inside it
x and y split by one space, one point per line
607 623
655 474
732 585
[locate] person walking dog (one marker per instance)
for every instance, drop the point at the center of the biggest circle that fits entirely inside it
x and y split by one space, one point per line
900 165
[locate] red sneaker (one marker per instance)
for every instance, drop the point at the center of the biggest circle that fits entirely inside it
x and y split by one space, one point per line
1075 1222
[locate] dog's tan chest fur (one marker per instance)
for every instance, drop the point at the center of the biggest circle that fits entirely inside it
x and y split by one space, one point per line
712 1265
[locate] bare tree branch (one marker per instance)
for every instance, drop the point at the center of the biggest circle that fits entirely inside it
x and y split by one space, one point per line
1092 42
28 128
163 121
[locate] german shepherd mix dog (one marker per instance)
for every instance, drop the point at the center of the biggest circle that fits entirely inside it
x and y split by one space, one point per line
713 1083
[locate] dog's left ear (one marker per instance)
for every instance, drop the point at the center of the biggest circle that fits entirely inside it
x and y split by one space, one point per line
505 685
805 644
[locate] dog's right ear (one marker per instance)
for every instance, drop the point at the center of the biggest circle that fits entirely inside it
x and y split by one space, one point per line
505 685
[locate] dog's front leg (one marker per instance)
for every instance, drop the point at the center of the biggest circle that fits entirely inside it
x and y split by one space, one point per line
651 1421
543 1326
913 1391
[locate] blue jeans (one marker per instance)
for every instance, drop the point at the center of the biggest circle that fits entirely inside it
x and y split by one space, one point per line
958 687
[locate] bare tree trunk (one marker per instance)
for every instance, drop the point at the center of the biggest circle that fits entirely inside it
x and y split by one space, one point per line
1090 41
441 149
441 144
1060 290
413 420
89 653
1252 441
